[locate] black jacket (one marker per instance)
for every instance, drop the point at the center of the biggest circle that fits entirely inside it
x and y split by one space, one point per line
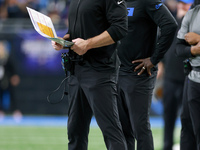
89 18
173 64
144 18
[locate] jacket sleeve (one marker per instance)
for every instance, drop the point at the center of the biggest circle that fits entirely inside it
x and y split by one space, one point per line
185 25
167 24
183 49
116 13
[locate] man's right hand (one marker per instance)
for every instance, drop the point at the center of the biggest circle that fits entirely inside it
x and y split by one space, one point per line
145 64
56 46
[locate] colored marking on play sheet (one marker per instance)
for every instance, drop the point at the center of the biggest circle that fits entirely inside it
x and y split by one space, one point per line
45 29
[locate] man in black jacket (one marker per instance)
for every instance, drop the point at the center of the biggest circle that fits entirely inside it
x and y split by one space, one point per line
95 26
139 52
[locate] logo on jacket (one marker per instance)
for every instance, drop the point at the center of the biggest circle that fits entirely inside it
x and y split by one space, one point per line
130 11
119 2
158 6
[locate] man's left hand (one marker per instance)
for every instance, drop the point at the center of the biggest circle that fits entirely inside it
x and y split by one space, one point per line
192 38
145 64
80 46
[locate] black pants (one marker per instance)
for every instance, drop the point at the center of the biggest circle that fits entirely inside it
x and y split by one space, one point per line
172 102
92 92
190 117
134 108
12 104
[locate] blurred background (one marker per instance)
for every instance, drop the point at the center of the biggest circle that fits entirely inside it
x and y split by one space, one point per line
30 56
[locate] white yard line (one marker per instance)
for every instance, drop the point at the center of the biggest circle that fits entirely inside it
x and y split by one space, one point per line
176 147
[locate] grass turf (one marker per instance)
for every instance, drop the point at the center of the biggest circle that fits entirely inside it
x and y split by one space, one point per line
55 138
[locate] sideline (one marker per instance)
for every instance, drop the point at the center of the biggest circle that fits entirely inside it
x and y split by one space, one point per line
156 122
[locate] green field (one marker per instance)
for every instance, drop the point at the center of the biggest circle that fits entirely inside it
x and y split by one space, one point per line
55 138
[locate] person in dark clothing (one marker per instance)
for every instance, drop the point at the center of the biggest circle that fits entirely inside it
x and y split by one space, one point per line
188 47
139 53
95 27
174 77
8 80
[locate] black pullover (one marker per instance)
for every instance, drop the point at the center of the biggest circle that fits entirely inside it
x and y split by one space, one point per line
144 17
89 18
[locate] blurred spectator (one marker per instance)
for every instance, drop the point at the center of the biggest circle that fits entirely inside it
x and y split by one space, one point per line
172 69
8 80
14 22
57 10
172 5
3 10
17 8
